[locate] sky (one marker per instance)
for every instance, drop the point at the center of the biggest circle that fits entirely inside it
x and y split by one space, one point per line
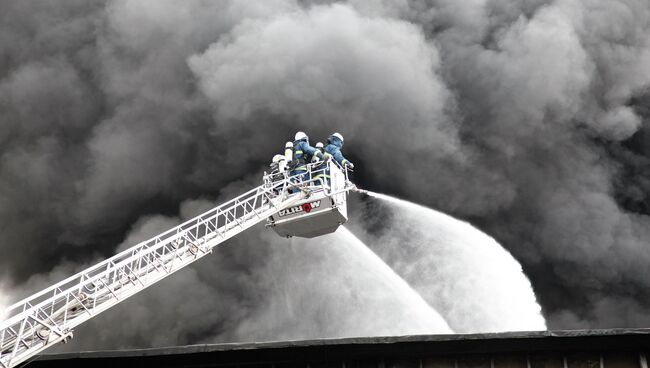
529 119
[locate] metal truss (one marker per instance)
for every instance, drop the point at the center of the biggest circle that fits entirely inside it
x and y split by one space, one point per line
49 317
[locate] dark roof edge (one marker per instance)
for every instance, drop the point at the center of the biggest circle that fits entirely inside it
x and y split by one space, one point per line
521 341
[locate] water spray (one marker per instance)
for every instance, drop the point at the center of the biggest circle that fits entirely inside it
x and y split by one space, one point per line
4 301
460 271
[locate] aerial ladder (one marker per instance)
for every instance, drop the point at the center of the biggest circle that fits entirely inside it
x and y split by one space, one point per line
305 205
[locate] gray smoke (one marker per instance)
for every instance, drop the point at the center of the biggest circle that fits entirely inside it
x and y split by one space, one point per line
528 118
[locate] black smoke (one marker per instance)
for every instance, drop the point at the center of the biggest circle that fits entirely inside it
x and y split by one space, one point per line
529 118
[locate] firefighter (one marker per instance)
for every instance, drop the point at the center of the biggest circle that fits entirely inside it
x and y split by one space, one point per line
302 151
333 150
278 164
321 148
319 170
278 172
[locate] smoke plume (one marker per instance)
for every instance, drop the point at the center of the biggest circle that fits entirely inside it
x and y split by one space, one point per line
527 118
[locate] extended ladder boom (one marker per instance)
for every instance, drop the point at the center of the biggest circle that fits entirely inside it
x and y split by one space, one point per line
49 316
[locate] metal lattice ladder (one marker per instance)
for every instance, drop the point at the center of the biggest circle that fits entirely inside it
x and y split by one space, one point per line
49 317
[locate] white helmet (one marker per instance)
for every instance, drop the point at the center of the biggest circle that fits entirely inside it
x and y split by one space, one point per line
300 135
339 136
288 145
319 145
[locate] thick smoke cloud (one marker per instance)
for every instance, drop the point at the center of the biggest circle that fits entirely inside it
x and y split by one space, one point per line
544 135
528 118
364 71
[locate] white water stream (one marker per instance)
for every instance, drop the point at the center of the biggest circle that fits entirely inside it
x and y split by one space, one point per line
333 286
463 273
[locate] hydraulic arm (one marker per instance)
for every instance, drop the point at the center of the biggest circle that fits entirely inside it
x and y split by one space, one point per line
50 316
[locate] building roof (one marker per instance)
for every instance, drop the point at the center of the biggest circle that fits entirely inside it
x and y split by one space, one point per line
594 343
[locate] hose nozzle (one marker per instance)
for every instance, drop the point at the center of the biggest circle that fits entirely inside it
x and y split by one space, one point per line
360 191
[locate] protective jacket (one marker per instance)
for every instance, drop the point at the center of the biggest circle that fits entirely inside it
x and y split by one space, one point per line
302 152
333 149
